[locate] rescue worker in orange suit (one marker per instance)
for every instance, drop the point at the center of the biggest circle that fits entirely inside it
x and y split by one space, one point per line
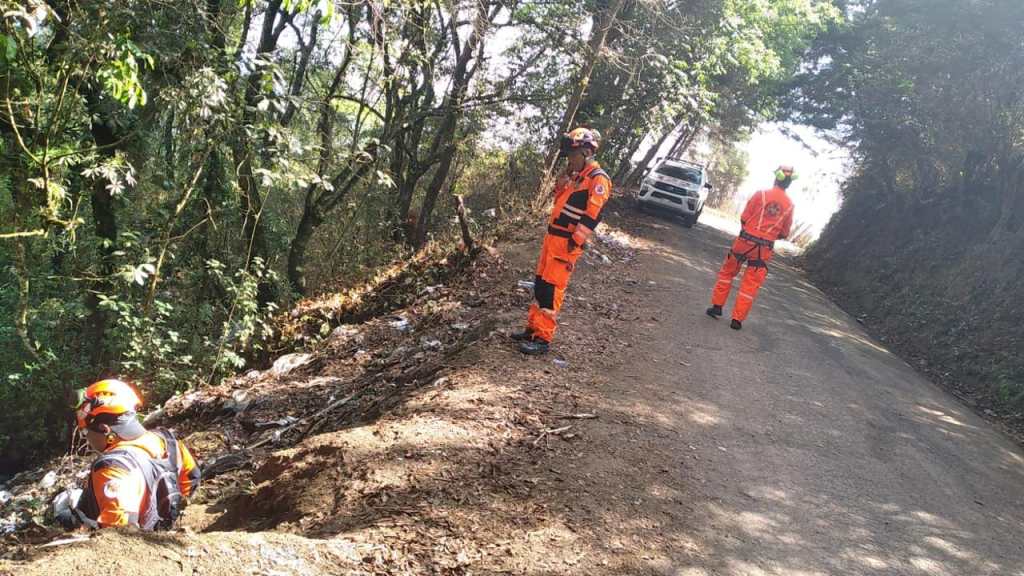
767 217
121 489
579 195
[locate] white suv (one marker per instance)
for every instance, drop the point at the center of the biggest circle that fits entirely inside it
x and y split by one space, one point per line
678 186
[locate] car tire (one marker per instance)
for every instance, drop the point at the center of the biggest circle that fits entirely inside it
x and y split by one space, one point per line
689 220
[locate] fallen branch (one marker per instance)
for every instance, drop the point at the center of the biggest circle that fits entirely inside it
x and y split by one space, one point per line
319 419
305 419
235 460
550 432
65 541
226 463
580 416
154 417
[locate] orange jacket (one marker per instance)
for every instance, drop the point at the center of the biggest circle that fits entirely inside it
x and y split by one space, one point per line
117 495
768 214
579 201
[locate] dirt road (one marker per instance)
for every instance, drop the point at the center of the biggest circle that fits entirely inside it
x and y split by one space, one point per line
797 446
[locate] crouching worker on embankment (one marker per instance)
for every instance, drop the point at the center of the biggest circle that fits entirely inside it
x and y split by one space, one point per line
141 477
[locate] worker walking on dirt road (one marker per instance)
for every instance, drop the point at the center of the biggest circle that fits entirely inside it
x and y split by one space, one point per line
141 476
580 194
767 217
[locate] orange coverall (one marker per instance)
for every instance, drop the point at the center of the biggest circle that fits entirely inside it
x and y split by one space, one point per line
767 217
577 202
117 496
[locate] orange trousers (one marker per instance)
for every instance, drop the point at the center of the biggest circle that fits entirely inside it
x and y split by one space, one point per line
756 257
554 268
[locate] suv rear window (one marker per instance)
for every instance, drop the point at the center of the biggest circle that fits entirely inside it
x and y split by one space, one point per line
691 175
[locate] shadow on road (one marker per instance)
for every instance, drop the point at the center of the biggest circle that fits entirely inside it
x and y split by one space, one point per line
796 446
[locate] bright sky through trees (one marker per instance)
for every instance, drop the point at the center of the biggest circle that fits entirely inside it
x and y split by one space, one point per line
820 164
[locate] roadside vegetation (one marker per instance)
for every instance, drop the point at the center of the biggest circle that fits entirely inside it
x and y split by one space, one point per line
175 175
925 250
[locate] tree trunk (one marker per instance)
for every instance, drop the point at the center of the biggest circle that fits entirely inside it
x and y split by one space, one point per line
316 209
253 231
598 34
651 152
683 142
626 162
430 199
102 203
444 140
215 190
299 80
312 214
299 247
253 227
467 238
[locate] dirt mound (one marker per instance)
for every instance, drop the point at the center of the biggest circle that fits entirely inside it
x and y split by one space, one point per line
292 486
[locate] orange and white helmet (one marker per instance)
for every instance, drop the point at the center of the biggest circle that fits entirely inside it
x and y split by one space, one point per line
109 396
581 138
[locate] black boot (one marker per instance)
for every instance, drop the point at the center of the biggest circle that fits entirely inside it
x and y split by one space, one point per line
715 312
736 324
521 336
534 347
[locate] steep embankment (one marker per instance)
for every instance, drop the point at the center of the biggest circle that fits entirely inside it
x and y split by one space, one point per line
940 287
404 443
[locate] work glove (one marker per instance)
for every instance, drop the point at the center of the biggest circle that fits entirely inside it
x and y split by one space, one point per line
64 508
574 244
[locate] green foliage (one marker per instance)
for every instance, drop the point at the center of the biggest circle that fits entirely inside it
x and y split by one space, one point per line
246 325
10 48
159 346
163 168
120 75
929 96
717 67
726 171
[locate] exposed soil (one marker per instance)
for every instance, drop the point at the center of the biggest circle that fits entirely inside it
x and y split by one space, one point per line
653 441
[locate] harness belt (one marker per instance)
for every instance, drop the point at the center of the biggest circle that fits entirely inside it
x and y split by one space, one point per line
759 241
559 232
742 257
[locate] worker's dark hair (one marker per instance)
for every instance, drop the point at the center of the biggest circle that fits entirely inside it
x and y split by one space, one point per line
126 426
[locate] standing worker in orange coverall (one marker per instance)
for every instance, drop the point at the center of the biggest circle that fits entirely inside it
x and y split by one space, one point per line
580 195
767 217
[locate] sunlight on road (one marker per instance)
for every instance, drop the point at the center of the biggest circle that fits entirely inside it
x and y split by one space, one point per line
942 416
